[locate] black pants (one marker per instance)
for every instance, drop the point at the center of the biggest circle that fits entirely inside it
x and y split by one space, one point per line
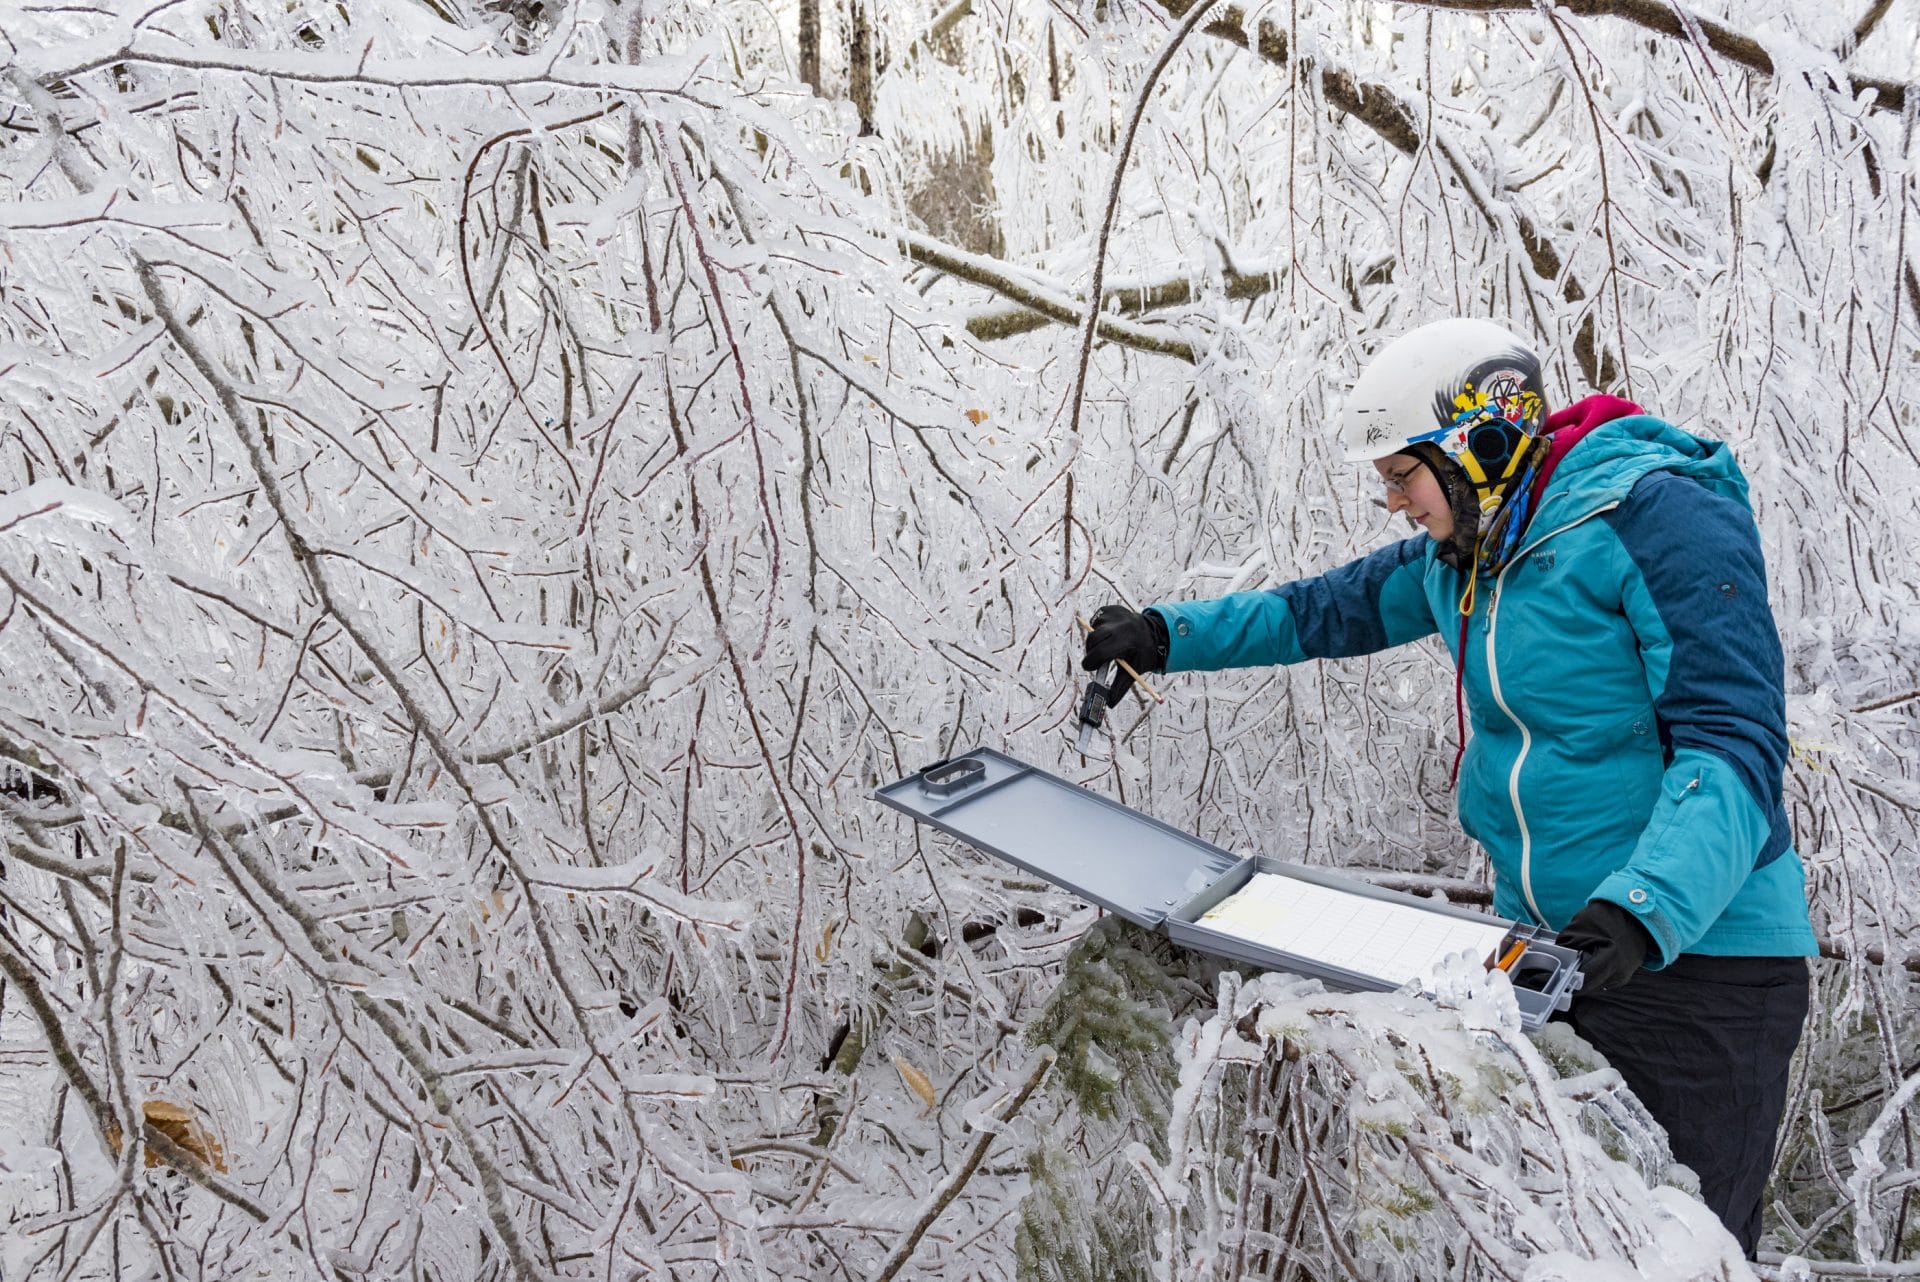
1705 1044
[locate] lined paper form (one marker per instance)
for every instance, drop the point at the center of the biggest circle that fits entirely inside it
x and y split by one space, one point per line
1388 941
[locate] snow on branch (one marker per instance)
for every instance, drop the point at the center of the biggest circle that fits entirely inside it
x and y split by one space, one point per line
1034 299
1678 23
1406 1140
491 490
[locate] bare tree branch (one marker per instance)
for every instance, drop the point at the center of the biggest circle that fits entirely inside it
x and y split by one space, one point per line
988 274
1680 24
951 1187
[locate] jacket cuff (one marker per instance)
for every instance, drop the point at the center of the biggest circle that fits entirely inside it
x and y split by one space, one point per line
1171 629
1641 900
1157 624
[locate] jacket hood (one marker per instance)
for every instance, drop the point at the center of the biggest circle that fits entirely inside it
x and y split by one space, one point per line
1616 449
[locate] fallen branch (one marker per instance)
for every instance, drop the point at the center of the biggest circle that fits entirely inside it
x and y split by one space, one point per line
1128 300
1035 299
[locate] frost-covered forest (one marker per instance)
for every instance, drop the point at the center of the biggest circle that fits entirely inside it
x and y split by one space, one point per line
489 487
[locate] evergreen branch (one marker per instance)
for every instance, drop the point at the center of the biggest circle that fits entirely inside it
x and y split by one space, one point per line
1329 1232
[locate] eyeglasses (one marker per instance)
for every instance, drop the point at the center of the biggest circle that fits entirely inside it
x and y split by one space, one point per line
1398 483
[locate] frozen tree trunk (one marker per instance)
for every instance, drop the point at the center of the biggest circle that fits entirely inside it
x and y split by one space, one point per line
810 43
860 65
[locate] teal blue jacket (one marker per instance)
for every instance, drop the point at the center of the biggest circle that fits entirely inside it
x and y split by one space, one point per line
1624 685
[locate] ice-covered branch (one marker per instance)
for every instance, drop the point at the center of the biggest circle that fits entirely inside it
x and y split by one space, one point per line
443 71
1430 1141
530 650
951 1187
1128 300
1051 304
1678 23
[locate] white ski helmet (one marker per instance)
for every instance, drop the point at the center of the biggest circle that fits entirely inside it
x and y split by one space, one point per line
1470 387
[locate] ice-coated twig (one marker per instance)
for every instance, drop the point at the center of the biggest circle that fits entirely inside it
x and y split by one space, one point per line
951 1187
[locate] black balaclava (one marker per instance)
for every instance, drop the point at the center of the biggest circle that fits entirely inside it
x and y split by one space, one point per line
1462 500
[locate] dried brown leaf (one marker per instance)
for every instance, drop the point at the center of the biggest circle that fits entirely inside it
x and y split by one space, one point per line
917 1082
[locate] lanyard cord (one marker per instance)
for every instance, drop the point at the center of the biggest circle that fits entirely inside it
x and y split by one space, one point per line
1491 551
1460 704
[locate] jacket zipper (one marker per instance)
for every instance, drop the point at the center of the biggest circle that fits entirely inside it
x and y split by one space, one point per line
1526 735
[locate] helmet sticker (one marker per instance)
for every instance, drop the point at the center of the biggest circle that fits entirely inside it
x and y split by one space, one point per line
1444 383
1471 389
1487 420
1502 392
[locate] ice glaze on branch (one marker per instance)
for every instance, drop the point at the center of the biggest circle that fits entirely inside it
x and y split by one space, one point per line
1676 23
988 274
448 72
1380 109
1128 300
951 1186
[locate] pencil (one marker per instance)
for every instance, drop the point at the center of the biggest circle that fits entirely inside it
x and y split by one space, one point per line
1513 955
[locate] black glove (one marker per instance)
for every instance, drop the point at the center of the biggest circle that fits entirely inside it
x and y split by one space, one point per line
1120 633
1612 944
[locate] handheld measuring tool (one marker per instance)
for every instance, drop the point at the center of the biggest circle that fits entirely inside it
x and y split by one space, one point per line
1098 698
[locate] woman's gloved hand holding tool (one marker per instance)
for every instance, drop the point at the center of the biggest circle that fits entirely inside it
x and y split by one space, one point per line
1122 638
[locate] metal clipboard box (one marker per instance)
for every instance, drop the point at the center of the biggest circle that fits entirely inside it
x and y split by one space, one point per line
1157 876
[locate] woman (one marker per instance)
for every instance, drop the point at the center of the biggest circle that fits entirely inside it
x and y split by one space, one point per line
1598 579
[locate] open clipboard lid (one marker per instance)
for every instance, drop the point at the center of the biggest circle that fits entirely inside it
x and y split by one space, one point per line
1124 861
